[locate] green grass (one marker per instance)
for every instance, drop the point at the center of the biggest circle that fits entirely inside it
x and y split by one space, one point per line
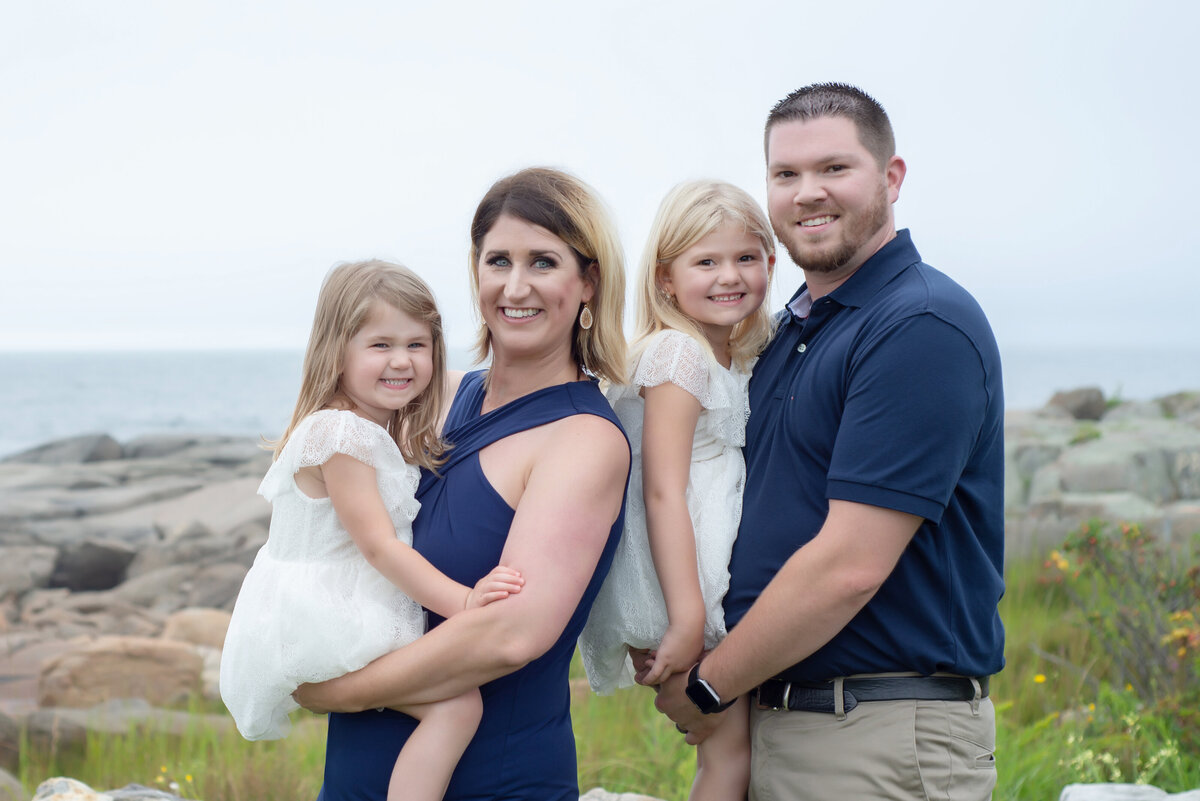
1058 722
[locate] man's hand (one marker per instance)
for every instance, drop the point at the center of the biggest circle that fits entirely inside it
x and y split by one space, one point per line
673 703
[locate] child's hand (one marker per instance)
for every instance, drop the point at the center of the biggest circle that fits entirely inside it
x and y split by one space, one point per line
677 652
497 585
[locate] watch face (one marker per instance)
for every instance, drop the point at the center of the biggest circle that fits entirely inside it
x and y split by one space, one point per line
702 696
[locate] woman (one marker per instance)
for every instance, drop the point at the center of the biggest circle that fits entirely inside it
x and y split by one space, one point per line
535 480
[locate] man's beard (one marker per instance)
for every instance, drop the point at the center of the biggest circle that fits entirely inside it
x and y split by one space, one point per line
861 227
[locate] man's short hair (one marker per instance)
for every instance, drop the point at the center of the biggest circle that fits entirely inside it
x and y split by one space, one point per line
838 100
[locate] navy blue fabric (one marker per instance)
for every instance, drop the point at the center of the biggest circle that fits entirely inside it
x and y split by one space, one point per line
524 748
889 394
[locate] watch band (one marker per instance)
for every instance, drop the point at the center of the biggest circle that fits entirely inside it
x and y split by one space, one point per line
702 694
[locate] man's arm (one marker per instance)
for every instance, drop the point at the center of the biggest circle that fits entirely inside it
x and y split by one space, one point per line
820 588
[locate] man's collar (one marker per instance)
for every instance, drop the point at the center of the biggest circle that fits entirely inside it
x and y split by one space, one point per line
884 265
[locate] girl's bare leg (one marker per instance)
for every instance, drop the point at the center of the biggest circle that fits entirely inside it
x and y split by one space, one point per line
424 766
723 760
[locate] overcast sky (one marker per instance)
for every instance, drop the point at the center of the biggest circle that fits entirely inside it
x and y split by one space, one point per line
183 174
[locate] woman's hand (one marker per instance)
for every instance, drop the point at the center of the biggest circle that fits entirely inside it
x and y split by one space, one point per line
324 697
497 585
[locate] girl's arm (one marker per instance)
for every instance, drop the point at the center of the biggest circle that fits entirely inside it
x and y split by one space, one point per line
354 492
573 476
667 432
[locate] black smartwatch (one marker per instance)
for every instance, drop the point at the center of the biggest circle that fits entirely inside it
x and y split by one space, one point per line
701 693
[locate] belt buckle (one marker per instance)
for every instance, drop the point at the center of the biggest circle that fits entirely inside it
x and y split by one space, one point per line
784 696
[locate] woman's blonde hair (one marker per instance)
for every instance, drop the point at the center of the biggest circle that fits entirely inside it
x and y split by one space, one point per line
569 209
690 212
347 296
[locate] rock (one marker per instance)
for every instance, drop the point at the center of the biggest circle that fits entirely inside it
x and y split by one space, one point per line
84 448
161 671
1181 404
173 588
10 788
1134 410
600 794
198 627
92 565
1086 403
64 789
219 506
1123 792
24 567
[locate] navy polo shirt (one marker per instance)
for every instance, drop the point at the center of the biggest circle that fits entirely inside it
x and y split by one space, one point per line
889 394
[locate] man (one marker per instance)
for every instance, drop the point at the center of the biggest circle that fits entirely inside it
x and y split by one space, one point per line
868 565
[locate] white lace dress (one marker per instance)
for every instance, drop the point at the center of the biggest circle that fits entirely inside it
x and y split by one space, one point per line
311 608
630 609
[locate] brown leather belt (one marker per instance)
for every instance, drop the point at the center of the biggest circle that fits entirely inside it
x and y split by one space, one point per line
817 696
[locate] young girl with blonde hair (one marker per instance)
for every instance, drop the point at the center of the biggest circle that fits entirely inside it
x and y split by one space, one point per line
338 584
701 322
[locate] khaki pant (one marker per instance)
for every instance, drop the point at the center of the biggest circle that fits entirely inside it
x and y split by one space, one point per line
926 750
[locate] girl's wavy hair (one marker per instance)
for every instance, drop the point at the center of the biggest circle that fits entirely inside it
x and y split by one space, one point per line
343 307
571 210
690 212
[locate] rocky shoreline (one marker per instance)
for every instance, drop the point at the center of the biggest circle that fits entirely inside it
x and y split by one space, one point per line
120 562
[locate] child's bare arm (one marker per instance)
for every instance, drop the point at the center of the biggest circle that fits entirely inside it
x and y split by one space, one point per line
668 430
355 495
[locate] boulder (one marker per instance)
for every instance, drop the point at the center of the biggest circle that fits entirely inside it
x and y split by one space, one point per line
92 565
600 794
198 627
161 671
170 589
61 788
73 450
1085 403
24 567
1123 792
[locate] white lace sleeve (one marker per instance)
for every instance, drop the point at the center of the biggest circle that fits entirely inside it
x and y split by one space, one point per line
322 434
674 357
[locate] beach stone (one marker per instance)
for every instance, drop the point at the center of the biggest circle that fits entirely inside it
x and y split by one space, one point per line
1085 403
1123 792
24 567
161 671
600 794
138 792
83 448
10 788
92 565
198 626
61 788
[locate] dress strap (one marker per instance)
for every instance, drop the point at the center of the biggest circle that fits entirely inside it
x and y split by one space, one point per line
469 432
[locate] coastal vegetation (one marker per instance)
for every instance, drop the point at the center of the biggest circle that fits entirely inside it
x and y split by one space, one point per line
1102 684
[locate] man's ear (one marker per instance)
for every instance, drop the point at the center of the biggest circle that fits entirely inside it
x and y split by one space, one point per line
894 175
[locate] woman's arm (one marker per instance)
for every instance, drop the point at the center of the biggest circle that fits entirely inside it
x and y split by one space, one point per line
668 429
572 476
354 492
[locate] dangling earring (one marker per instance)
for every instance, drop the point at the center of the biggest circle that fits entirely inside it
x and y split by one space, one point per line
585 318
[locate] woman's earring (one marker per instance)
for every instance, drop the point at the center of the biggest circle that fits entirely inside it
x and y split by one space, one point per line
585 318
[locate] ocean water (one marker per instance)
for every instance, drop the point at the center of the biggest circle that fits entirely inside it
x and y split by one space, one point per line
47 396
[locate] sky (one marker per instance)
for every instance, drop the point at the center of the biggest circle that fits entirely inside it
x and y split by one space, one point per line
183 175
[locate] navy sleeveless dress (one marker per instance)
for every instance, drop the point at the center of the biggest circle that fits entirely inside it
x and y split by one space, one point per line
524 748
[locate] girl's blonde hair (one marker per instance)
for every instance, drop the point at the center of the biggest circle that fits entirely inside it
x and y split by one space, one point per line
690 212
571 210
343 307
